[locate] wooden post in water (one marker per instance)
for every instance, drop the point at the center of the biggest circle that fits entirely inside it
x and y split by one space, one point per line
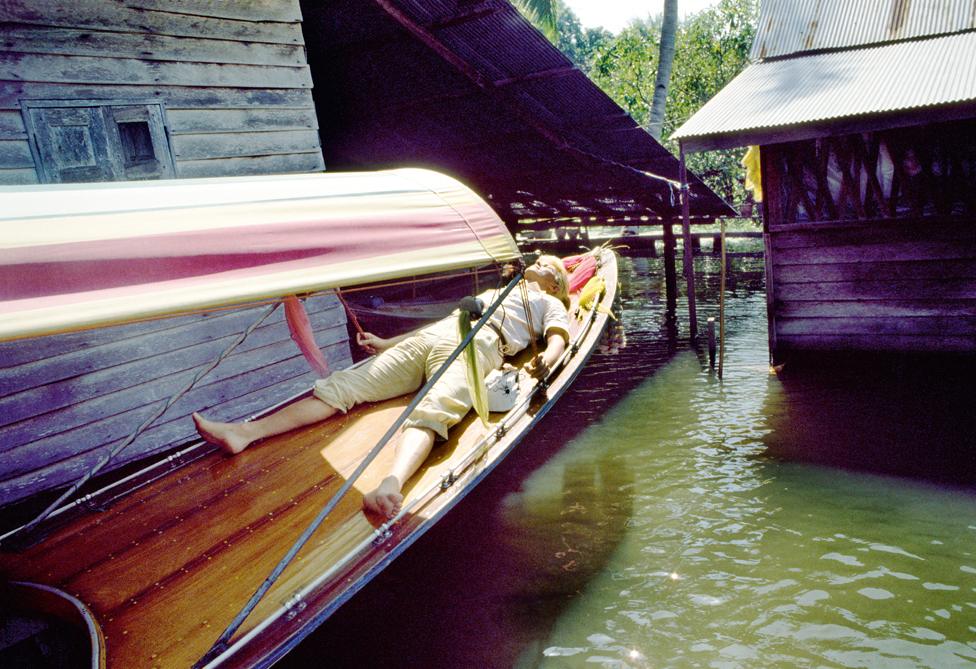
670 273
711 343
689 263
721 305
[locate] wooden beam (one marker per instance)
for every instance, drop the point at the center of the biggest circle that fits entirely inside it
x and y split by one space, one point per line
689 263
670 273
845 126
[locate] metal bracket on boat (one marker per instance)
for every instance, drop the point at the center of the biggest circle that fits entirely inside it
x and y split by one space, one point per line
295 605
500 432
543 385
448 479
383 533
88 501
574 349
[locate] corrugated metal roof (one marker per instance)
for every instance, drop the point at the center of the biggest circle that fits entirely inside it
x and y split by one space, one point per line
835 85
474 90
791 26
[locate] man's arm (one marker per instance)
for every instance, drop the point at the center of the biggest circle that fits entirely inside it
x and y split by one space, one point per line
540 365
373 344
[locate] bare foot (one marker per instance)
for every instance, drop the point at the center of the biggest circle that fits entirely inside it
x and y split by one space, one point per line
386 499
232 438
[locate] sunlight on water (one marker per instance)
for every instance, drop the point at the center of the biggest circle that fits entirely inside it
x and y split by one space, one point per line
689 547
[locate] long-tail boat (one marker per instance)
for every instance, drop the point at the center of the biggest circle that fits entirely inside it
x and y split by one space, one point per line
169 565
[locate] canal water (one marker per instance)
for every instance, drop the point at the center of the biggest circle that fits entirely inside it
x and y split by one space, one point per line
819 517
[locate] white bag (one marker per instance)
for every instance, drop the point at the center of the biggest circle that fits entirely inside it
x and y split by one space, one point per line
503 388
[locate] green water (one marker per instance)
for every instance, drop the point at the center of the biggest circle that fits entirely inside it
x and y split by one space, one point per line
705 552
662 518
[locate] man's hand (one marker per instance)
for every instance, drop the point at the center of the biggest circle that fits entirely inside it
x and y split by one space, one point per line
371 343
538 368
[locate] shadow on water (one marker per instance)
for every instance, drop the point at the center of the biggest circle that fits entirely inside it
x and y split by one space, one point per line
899 416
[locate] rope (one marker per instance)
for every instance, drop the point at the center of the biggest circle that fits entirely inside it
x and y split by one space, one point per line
221 644
528 317
350 312
139 430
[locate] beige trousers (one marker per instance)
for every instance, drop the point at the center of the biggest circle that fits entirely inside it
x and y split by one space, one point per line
403 368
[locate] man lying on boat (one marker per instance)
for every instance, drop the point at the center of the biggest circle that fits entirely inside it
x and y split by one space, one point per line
401 366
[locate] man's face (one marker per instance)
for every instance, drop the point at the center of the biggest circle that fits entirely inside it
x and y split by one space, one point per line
544 275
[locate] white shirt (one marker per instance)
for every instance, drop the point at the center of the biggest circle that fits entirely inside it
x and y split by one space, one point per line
548 314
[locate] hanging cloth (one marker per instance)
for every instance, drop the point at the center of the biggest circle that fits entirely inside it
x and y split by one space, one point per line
301 333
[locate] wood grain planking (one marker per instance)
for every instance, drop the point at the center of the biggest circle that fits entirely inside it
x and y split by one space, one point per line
873 234
11 92
892 343
927 289
220 592
116 15
156 440
271 362
156 374
240 144
159 551
12 125
881 252
75 42
232 399
112 70
17 177
17 352
867 271
877 308
188 121
15 154
843 324
252 165
58 361
287 11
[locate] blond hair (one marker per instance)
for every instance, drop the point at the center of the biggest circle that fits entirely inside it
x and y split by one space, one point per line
562 277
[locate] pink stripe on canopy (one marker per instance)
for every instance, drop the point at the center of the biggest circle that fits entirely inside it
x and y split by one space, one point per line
84 255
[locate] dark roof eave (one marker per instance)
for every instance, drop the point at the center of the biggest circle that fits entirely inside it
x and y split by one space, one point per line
829 127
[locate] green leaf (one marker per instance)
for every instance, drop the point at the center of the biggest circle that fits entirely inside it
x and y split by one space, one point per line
476 379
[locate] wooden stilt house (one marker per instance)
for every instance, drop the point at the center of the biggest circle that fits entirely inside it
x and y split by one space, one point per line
865 118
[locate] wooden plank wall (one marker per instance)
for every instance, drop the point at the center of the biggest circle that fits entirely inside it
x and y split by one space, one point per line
64 397
233 77
907 285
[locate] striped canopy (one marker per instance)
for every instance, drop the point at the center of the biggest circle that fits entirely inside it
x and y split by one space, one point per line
75 256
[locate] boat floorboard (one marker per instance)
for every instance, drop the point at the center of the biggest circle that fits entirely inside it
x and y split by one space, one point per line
205 538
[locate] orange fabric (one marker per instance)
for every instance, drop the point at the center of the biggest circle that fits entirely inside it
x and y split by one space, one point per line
301 333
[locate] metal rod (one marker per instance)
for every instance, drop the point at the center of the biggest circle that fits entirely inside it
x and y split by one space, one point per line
221 643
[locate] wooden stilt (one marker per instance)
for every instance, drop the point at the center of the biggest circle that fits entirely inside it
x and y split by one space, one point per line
689 264
711 343
670 273
721 306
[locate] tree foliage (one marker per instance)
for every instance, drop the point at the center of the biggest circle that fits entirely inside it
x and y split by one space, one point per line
712 47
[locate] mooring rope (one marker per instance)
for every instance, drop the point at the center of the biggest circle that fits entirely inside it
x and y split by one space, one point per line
139 430
221 644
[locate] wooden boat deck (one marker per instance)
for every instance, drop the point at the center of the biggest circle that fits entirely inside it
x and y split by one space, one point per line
167 567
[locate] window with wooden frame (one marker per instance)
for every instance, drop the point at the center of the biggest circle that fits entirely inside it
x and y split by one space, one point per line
79 140
915 172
